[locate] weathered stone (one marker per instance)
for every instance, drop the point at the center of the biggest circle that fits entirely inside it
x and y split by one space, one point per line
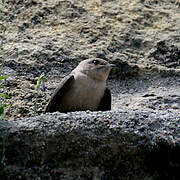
86 145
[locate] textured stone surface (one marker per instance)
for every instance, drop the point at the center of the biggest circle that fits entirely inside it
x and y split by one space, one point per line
102 145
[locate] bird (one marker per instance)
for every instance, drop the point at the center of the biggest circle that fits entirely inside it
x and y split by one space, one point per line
83 89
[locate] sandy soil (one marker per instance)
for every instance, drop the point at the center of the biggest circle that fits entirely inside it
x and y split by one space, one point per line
140 36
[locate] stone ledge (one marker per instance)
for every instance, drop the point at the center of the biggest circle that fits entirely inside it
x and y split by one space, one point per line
93 145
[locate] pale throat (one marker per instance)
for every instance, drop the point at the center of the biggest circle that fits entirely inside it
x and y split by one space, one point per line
89 83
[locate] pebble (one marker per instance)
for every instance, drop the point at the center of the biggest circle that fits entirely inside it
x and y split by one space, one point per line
175 106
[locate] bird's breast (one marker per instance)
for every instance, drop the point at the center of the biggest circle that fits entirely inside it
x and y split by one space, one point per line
85 94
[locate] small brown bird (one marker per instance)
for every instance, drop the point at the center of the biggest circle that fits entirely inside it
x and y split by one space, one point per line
83 89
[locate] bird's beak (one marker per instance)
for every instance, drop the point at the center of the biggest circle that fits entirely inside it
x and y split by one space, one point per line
112 65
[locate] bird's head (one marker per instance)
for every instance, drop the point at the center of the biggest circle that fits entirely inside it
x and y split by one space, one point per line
95 68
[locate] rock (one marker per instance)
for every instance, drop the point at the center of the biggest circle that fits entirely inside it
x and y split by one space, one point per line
175 106
87 145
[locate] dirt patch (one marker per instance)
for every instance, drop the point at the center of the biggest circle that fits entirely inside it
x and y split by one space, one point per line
54 36
165 55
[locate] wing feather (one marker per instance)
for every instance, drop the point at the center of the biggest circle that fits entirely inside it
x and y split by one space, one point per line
63 87
105 103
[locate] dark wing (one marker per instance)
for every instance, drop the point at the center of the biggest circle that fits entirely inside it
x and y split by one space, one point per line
105 103
65 84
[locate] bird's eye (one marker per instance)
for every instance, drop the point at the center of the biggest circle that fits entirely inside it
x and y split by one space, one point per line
95 62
